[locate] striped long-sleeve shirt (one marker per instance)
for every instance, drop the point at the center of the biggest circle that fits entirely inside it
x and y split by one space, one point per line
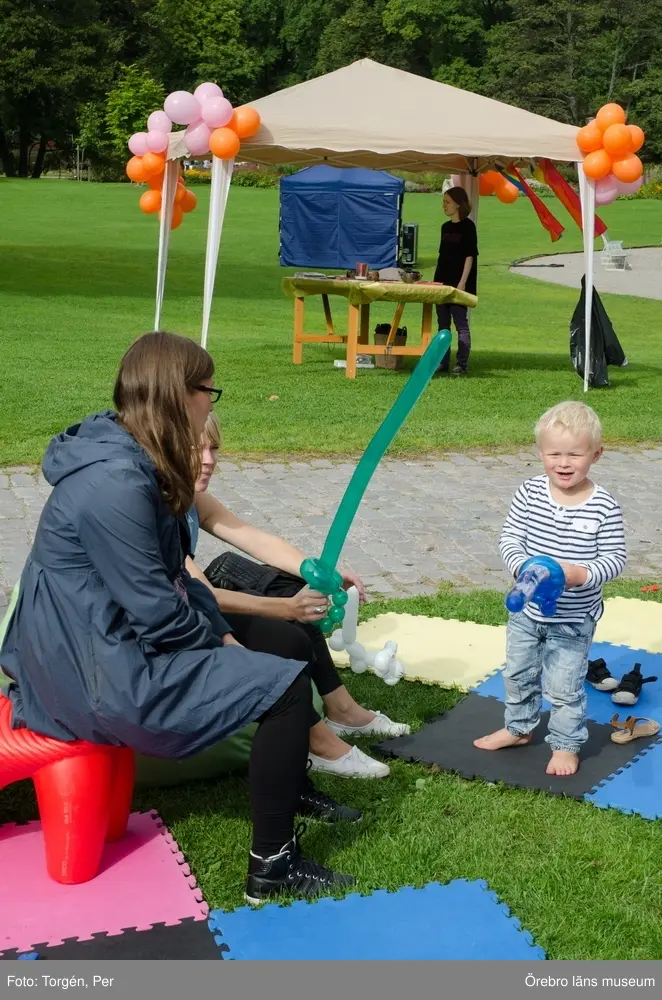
590 534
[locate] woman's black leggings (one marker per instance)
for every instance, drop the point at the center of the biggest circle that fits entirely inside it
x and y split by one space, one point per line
277 769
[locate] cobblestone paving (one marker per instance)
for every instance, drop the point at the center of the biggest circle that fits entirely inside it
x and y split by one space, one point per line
421 521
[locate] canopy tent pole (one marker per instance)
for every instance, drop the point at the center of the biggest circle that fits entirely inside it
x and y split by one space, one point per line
587 196
221 175
167 202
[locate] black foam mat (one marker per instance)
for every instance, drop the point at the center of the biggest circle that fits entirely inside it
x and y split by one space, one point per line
189 940
448 742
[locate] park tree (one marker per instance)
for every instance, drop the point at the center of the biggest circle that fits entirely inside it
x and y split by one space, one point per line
54 56
197 40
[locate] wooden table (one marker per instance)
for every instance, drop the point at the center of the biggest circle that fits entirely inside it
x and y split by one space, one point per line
360 296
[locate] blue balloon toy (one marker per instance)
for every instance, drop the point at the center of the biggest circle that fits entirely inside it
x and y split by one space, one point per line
541 581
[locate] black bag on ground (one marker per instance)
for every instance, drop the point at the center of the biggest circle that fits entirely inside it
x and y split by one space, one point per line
231 571
605 348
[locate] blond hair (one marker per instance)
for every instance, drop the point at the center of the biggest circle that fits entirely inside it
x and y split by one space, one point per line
155 375
211 435
577 418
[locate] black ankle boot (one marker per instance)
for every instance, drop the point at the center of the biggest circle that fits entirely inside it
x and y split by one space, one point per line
289 872
316 805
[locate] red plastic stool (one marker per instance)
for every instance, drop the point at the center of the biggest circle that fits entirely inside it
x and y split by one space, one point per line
84 791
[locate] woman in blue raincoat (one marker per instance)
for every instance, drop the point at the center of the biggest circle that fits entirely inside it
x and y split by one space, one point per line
112 641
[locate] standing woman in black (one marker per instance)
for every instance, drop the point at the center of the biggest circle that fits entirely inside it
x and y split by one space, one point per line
457 266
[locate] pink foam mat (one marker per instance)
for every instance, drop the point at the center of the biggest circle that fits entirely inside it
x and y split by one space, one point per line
144 880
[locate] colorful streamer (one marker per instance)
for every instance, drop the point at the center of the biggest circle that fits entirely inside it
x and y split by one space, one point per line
567 196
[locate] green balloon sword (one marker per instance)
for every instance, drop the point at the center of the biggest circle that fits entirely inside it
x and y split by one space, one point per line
321 574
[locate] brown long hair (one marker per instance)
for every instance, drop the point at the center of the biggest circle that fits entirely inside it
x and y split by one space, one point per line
460 197
150 398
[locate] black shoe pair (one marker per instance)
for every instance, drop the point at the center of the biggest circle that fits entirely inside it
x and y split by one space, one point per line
288 871
625 693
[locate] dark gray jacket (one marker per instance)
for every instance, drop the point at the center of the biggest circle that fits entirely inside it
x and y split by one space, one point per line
111 640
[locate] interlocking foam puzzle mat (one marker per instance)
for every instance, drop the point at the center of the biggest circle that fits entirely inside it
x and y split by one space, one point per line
448 742
461 920
188 940
437 650
600 708
454 653
144 881
636 788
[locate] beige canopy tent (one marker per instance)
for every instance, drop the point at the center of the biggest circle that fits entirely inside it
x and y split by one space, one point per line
370 115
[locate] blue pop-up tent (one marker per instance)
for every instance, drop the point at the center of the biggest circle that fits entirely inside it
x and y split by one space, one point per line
334 217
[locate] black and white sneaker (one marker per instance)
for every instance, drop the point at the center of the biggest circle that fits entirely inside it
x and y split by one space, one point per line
316 805
289 872
599 677
628 691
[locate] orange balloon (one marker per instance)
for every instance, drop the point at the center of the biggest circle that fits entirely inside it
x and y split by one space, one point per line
628 169
617 141
610 114
189 201
245 121
486 182
150 202
153 164
135 170
597 164
180 191
177 216
589 138
155 182
507 192
224 143
638 137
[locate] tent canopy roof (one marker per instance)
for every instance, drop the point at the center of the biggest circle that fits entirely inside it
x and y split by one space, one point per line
370 115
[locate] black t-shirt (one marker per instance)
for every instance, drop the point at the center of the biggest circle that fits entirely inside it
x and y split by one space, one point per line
458 241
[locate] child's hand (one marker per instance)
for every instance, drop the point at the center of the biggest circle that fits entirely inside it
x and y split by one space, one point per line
575 576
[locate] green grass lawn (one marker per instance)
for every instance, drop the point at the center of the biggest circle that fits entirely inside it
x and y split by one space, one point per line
584 881
77 274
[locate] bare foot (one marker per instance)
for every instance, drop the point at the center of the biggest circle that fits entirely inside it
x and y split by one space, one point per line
323 742
500 740
563 763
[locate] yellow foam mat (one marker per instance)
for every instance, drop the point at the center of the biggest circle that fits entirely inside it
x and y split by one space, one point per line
629 622
449 652
438 650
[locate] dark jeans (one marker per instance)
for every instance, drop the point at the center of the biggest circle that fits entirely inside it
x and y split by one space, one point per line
460 316
277 769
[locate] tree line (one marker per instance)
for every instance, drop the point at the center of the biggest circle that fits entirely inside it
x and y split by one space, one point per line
87 72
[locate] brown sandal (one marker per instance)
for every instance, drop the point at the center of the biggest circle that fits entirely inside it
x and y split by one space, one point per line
633 728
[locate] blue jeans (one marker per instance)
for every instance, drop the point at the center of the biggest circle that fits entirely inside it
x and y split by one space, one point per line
549 658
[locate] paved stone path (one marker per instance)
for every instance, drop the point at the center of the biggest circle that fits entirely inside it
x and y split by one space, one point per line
421 521
644 278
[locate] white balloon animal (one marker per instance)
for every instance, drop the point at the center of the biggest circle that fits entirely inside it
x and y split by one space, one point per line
384 663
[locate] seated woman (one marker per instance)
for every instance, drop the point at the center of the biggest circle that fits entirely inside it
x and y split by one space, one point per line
111 641
272 617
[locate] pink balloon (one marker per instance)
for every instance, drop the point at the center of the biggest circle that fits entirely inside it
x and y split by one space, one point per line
138 143
182 107
157 142
158 121
216 112
197 138
606 190
207 90
629 188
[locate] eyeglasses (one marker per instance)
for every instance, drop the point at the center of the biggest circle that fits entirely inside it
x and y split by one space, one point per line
214 393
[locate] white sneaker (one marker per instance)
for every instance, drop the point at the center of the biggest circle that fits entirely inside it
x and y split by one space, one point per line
381 725
353 764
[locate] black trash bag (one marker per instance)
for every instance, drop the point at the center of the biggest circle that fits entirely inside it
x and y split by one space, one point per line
605 348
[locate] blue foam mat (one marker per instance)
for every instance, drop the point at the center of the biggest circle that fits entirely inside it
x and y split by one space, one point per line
619 660
636 788
461 920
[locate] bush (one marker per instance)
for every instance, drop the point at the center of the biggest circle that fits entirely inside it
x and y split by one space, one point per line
256 178
194 176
